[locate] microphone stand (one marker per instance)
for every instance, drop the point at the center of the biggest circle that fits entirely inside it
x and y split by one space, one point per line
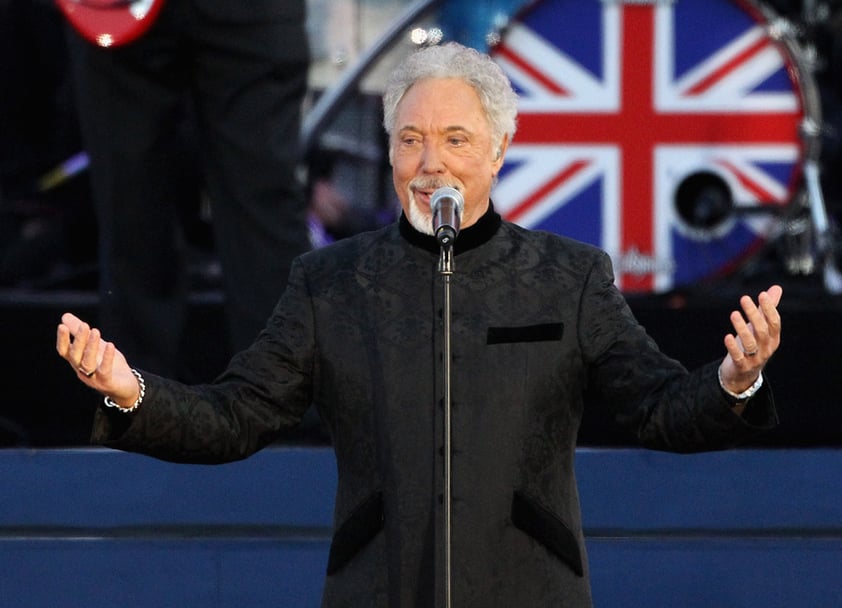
446 271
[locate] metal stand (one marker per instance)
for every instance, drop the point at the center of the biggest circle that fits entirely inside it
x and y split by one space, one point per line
446 271
821 225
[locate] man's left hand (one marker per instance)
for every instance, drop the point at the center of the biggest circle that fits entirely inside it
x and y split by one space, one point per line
757 336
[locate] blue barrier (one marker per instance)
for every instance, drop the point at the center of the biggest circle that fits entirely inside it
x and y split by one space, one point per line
93 527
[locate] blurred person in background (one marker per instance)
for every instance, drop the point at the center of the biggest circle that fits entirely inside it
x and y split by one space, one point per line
236 74
45 215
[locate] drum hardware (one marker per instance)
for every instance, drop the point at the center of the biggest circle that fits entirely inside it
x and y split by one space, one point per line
823 237
704 201
797 238
809 240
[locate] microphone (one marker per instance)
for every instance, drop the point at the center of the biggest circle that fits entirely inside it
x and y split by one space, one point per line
446 204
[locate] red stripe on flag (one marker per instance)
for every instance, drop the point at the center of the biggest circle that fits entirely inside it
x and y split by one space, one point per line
515 213
761 193
533 73
719 74
637 221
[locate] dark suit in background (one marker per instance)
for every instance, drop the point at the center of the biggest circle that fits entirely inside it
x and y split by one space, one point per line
236 73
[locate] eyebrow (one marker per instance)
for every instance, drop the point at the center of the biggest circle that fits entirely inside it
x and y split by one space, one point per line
449 129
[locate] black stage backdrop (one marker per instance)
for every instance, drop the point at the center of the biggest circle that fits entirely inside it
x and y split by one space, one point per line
42 404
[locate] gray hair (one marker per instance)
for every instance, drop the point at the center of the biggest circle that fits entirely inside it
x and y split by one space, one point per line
453 60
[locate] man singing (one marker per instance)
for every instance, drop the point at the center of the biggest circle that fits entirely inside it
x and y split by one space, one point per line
539 333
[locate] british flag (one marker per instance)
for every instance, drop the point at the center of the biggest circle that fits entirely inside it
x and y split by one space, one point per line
620 102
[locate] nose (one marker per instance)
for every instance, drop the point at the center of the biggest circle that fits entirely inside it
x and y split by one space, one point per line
432 160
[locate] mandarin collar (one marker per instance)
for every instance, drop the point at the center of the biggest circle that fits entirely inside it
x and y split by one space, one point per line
469 238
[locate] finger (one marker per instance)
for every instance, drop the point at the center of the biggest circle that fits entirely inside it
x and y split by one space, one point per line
733 347
62 340
72 322
106 367
90 356
768 305
757 323
735 350
775 292
78 343
747 343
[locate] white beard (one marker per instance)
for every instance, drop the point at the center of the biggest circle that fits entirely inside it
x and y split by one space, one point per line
421 221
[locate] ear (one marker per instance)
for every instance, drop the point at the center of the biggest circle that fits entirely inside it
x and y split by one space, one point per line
500 155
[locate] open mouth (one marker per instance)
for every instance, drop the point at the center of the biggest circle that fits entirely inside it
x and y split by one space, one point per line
422 196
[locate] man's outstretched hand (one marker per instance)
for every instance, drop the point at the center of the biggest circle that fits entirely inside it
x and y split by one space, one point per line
756 337
96 362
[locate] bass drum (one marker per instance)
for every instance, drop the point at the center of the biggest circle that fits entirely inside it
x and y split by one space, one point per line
671 134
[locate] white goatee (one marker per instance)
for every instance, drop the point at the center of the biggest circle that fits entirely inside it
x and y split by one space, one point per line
419 219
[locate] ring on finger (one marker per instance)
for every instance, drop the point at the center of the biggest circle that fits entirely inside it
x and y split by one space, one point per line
85 372
751 354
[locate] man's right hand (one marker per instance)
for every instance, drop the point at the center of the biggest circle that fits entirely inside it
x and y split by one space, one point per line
96 362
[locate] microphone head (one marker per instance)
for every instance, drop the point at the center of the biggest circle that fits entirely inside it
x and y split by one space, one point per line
445 193
446 205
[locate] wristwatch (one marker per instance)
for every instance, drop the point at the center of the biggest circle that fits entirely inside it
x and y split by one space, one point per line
746 394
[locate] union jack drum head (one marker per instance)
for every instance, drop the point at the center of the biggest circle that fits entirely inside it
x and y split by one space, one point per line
629 110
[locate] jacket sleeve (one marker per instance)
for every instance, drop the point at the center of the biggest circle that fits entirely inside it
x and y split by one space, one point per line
652 395
264 391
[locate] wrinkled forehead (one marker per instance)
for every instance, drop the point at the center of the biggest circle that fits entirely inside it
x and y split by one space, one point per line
441 104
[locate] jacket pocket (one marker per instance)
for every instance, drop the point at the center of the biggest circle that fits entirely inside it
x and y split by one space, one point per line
356 532
543 332
546 528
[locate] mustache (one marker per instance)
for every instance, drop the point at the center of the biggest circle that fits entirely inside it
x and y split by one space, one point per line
432 183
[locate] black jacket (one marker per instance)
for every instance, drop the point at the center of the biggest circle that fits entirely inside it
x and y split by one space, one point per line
539 333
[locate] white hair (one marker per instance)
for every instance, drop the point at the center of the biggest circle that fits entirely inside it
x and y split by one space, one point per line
453 60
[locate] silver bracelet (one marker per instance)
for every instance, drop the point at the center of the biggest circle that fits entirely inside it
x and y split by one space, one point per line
746 393
126 410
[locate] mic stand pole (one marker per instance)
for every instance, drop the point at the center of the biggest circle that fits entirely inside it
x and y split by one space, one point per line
446 271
